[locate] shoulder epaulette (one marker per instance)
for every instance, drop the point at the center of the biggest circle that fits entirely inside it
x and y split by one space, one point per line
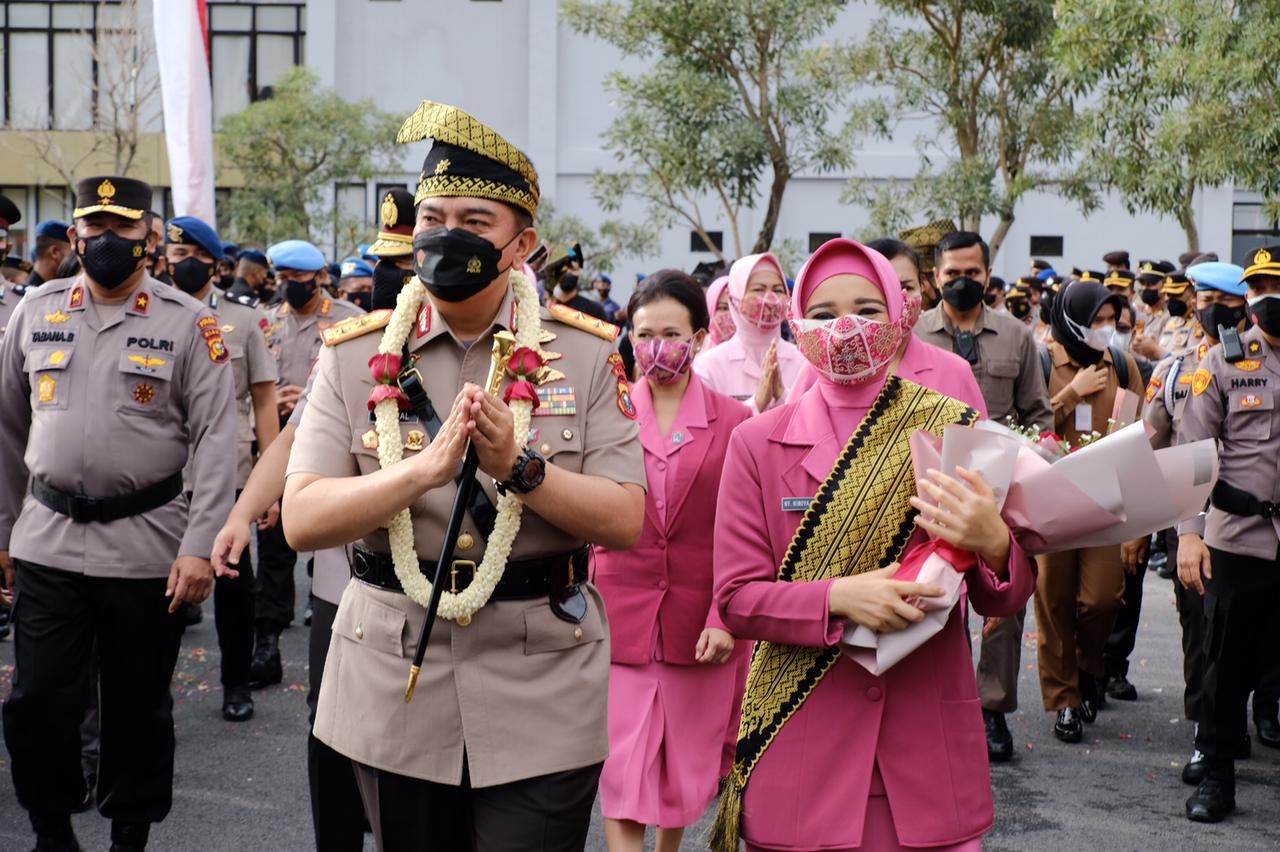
353 327
591 325
246 300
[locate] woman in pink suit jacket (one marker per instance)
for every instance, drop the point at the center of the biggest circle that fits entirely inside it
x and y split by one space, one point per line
866 762
671 689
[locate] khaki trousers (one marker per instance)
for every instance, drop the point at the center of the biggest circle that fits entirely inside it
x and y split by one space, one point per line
1078 595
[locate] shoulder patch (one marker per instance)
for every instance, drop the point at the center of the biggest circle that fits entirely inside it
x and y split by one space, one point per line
582 322
1248 365
353 327
1153 388
1200 381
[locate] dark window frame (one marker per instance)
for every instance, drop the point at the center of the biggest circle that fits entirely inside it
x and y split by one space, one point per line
1037 248
698 245
818 238
298 34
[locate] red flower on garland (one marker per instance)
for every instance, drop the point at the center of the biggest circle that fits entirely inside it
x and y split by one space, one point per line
381 392
525 362
522 389
385 367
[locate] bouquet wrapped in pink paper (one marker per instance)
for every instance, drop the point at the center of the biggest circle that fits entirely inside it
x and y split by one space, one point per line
1113 490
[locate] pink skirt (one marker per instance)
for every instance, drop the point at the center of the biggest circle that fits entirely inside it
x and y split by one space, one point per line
666 736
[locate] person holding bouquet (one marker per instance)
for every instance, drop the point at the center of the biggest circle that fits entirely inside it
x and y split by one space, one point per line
830 756
1079 591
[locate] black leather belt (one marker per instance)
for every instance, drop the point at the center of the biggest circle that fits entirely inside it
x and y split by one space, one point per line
101 510
555 576
1228 498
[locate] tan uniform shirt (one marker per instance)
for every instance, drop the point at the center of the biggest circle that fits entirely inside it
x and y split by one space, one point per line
1168 392
516 667
1180 335
1101 404
1235 404
244 330
104 408
8 304
294 338
1008 369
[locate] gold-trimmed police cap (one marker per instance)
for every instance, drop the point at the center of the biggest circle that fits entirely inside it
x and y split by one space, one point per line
924 238
1153 271
1090 275
1121 278
396 216
469 159
1263 261
1175 284
110 194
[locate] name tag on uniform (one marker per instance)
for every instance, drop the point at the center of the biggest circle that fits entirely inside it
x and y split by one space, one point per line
796 504
1084 418
405 417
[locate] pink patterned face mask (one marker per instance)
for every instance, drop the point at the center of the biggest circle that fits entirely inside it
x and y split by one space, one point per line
765 311
848 349
664 361
911 308
722 327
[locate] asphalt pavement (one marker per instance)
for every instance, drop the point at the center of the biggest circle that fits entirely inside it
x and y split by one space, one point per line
244 787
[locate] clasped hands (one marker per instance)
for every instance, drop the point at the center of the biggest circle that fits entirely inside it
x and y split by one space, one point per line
484 420
963 514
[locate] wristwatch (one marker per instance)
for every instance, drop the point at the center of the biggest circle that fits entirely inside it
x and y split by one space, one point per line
526 474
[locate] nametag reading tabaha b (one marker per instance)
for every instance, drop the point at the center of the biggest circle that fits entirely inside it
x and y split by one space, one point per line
796 504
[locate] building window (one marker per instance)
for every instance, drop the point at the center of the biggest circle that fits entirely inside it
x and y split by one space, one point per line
251 45
697 243
1251 229
818 238
1046 247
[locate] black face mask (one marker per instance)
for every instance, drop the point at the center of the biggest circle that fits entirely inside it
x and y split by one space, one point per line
1221 315
1149 296
298 293
388 280
990 299
1178 308
192 274
265 293
1018 308
963 294
456 264
360 298
1266 311
110 259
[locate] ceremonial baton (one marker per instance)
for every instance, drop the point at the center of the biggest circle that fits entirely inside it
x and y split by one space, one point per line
503 345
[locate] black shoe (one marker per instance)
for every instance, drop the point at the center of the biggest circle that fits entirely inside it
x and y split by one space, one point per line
90 784
999 740
306 619
1268 731
1119 688
237 704
1212 800
1068 728
190 614
1196 770
129 836
44 844
1088 698
266 668
1158 560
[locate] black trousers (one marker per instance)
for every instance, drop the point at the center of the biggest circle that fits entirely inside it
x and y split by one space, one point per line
1115 656
337 813
550 813
1242 637
1191 617
233 608
61 618
274 585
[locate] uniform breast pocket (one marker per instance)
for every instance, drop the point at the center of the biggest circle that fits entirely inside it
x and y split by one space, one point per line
145 379
1001 376
47 371
559 442
1249 414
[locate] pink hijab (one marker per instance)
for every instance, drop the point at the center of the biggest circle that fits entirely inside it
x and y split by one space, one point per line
713 300
755 341
846 257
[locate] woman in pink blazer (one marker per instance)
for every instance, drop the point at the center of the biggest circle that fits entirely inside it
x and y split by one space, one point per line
755 366
671 688
865 762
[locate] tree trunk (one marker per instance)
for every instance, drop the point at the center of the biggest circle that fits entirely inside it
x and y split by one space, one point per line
1001 231
1187 219
781 175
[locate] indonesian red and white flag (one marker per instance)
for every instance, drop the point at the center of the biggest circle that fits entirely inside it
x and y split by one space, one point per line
182 50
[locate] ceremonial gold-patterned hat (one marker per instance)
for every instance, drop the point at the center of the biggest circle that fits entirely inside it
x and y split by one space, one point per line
119 195
925 238
469 159
396 216
1264 261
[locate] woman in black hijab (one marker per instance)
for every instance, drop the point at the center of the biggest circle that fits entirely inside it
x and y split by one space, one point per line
1078 592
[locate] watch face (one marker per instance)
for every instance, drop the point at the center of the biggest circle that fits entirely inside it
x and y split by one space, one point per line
533 470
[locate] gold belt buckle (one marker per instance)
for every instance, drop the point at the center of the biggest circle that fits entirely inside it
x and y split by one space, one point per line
453 572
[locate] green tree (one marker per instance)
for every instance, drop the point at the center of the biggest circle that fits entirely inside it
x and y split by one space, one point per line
604 246
292 149
738 93
998 120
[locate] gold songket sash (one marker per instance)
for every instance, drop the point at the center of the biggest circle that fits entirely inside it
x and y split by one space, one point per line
860 520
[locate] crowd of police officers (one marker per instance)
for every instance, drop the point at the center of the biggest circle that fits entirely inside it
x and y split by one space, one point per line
146 366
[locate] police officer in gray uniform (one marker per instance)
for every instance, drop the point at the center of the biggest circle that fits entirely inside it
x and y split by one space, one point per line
109 382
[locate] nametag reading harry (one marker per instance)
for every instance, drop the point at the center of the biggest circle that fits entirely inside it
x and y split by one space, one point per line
796 504
1084 418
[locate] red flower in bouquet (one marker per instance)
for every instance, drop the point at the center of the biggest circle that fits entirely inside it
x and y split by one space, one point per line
523 390
524 363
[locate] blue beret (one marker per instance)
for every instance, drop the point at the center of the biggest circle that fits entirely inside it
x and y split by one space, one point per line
296 254
1046 274
229 250
52 229
605 278
1214 275
362 250
334 270
188 230
253 256
354 267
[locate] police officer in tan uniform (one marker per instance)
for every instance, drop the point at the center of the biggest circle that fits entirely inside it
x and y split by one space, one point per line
109 382
294 329
503 747
1232 555
1181 333
192 248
